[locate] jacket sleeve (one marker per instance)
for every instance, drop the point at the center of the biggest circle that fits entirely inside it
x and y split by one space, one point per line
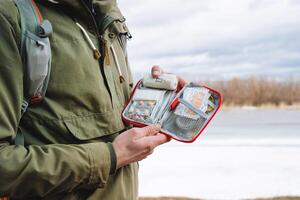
39 170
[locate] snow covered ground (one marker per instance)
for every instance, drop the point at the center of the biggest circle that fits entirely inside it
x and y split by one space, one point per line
244 153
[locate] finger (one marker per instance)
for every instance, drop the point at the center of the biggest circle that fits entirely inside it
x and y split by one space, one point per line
151 152
147 131
153 141
169 139
161 139
156 71
142 157
151 129
181 82
147 152
145 155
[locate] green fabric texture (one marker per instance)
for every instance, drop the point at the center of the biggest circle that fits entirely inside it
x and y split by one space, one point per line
68 152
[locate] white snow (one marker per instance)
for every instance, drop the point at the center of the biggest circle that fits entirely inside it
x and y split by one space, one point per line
236 163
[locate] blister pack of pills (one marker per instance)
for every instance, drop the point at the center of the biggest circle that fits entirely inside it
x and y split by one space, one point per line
198 97
183 114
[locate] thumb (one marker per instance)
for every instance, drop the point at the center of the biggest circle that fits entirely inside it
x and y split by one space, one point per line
156 71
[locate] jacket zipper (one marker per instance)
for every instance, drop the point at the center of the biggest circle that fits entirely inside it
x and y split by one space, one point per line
105 54
103 46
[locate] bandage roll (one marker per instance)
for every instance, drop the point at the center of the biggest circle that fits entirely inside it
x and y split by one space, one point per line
165 81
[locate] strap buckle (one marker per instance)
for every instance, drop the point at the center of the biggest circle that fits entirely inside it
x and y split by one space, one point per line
45 29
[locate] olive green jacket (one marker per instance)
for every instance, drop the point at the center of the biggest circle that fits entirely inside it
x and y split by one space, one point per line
68 152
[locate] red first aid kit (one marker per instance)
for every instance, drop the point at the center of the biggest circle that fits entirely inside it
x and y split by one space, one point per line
183 114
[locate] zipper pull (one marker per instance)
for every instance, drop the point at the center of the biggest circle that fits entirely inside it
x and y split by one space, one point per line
122 79
96 52
106 54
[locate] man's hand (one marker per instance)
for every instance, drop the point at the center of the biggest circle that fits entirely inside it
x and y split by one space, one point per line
137 143
156 71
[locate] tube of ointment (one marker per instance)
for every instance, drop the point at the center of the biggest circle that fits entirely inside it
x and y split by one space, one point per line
165 81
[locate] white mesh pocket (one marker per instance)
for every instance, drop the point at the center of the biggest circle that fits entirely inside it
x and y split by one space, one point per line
182 127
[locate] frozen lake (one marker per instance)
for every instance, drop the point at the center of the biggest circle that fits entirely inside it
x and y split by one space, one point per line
244 153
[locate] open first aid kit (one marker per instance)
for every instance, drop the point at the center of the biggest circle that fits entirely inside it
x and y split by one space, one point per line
183 114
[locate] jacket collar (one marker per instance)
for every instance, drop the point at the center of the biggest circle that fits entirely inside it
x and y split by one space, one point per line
102 7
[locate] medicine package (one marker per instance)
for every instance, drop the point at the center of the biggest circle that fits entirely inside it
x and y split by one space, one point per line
183 114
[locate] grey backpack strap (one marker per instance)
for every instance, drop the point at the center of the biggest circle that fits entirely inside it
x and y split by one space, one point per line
36 54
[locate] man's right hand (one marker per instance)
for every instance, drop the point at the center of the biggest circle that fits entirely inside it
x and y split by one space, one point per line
137 143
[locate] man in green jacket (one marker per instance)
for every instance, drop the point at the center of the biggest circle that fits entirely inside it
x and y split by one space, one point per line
76 145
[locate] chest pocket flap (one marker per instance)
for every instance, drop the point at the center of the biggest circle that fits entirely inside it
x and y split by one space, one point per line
94 126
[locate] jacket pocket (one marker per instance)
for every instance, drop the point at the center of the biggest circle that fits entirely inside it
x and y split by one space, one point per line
94 126
38 54
73 129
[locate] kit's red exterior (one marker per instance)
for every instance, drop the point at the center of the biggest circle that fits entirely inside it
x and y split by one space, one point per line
173 104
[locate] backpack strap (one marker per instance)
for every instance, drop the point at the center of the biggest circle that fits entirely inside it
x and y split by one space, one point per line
36 55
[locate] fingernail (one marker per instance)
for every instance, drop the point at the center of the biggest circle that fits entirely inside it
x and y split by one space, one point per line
156 73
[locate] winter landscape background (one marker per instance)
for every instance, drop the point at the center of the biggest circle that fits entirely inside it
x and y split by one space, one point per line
249 50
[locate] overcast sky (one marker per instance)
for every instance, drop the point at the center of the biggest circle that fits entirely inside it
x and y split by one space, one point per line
215 38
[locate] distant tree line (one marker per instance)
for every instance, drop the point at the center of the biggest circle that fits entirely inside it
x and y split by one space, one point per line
257 91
